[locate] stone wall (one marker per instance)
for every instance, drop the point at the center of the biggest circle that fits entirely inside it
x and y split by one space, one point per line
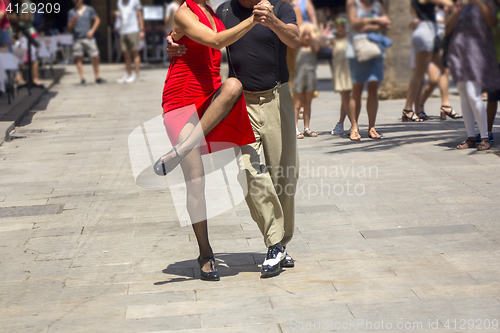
397 63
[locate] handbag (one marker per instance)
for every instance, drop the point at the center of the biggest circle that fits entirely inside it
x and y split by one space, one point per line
365 49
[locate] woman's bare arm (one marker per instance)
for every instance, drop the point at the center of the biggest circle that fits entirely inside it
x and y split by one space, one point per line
187 23
488 11
441 2
311 12
365 24
452 18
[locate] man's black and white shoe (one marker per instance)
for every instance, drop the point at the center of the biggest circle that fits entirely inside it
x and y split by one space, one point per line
272 265
288 261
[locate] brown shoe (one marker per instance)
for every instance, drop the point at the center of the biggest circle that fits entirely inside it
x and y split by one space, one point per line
484 144
469 143
309 133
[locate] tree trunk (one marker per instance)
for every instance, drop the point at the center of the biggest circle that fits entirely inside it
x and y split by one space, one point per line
397 63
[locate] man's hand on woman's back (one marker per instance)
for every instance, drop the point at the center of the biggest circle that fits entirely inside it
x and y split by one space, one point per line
174 49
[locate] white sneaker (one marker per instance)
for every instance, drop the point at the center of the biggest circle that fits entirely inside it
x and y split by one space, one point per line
339 129
123 79
132 78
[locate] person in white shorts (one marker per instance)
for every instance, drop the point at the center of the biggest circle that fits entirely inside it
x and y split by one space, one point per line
83 21
131 32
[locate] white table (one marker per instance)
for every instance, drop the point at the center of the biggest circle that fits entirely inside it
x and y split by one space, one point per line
65 41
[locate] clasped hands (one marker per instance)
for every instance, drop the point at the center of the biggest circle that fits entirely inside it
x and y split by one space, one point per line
263 13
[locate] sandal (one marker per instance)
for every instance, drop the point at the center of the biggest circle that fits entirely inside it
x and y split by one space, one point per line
372 133
301 113
422 115
299 135
450 113
410 115
355 135
309 133
484 144
469 143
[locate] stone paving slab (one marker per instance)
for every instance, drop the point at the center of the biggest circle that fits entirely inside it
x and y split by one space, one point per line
418 244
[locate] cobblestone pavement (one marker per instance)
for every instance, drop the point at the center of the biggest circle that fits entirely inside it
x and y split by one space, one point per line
398 233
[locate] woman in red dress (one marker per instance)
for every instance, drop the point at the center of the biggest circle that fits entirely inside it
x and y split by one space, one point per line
202 114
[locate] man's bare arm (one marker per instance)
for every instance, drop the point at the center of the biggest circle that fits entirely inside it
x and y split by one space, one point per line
287 33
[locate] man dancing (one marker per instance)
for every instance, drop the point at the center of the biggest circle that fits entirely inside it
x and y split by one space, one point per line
258 60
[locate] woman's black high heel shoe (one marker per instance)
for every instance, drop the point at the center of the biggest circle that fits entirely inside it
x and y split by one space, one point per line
208 276
410 115
162 168
448 111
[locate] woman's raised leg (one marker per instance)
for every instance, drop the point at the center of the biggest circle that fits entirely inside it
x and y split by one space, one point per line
222 103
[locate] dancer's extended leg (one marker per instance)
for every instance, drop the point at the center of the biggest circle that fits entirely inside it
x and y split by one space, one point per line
222 103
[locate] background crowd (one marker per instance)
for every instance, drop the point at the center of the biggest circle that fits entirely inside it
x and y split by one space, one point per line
461 38
453 42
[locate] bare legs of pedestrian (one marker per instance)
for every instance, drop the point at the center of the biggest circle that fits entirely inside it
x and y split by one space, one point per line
372 109
345 97
438 76
355 110
414 92
308 97
137 61
35 72
79 66
491 110
95 66
128 62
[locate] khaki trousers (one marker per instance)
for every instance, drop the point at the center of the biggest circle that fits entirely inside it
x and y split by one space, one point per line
271 187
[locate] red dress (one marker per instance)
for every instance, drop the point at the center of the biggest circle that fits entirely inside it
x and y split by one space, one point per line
190 85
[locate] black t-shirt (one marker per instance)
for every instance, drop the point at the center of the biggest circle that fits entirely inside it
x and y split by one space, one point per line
252 56
425 12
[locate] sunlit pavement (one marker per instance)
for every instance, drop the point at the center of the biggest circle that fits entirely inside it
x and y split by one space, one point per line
400 233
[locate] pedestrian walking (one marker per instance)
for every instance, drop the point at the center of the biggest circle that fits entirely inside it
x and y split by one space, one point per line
83 22
437 72
131 32
256 62
473 63
425 44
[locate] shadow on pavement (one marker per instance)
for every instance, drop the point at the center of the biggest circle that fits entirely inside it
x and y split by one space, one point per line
448 133
228 264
